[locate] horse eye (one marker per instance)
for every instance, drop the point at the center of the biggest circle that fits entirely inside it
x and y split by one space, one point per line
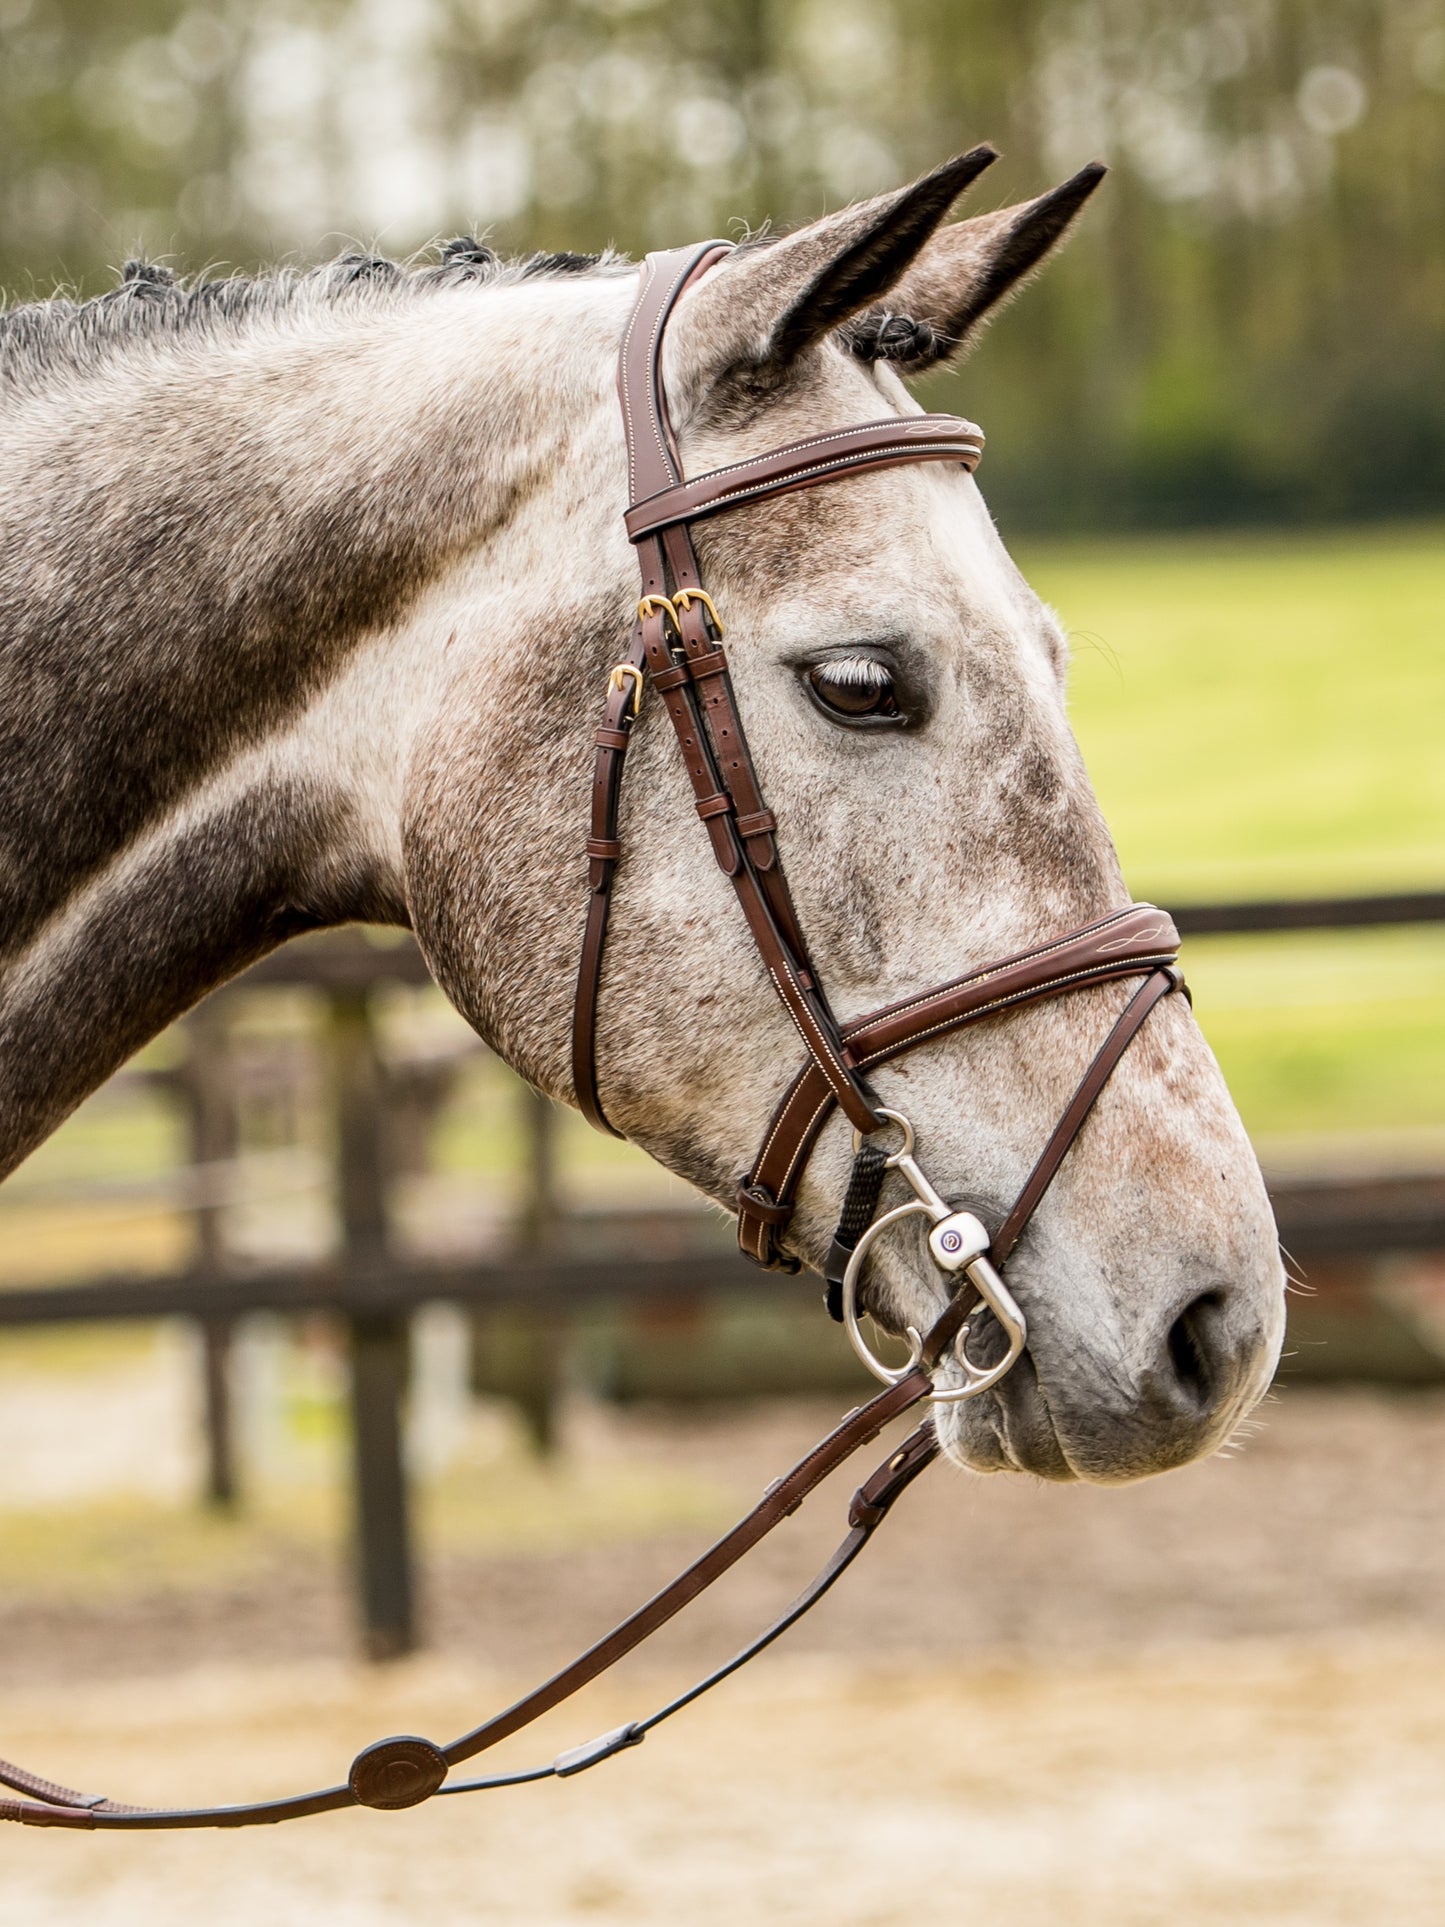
855 689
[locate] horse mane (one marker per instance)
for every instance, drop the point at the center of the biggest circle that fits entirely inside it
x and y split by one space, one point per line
43 340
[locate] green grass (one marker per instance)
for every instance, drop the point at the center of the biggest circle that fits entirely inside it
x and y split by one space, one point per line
1337 1032
1263 716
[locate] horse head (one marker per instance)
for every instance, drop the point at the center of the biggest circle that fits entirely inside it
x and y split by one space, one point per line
903 692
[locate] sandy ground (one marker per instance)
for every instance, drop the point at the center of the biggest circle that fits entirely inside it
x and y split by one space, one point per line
1219 1697
1299 1785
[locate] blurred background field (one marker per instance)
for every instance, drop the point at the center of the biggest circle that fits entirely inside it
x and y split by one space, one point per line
1247 329
1217 445
1261 717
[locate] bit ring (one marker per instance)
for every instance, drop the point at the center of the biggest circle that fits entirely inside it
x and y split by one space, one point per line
964 1249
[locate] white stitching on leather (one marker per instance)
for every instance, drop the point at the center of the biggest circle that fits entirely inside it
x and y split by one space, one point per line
1116 966
1100 973
654 386
822 1052
839 465
985 975
625 385
1002 1003
970 432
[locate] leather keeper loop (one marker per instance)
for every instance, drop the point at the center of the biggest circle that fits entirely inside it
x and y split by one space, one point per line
761 823
716 805
758 1203
725 846
666 679
703 668
605 849
612 738
864 1512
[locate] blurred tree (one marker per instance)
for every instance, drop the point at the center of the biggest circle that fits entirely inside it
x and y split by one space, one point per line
1250 325
119 133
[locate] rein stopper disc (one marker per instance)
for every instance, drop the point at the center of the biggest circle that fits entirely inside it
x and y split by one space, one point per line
396 1773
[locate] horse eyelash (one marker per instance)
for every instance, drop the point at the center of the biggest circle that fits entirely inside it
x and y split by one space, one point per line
858 672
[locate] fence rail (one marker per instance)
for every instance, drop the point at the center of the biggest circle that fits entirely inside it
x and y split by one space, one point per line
392 1285
1249 917
1328 1218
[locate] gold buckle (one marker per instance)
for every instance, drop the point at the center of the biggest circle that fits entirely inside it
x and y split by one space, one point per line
618 678
684 596
650 604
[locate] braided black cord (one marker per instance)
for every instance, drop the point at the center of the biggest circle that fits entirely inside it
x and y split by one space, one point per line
859 1207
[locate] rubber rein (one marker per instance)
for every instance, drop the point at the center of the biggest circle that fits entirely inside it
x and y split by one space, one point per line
676 647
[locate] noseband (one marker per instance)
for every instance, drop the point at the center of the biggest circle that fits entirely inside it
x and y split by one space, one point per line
677 646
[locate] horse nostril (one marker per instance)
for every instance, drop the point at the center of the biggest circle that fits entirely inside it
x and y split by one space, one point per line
1192 1346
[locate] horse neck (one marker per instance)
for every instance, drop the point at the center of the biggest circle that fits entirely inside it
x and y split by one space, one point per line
215 556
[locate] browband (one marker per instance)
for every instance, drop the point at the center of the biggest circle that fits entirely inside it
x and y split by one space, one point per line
821 458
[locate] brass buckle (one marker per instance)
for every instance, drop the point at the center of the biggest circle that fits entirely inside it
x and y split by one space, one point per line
684 596
618 677
651 604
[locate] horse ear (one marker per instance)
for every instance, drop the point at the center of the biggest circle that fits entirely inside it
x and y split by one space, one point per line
773 300
937 308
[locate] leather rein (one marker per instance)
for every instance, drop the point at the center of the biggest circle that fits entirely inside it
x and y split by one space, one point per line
676 645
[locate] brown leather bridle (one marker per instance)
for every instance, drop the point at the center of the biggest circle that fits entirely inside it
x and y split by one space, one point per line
676 645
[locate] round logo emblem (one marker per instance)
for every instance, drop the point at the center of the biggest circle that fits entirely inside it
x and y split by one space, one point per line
951 1241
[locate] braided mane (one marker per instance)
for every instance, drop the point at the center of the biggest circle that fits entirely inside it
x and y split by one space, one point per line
41 340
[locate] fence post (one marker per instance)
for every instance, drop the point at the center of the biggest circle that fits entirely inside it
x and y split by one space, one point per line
379 1341
210 1098
537 1234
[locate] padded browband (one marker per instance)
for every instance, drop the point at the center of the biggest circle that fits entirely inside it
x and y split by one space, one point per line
1131 943
820 458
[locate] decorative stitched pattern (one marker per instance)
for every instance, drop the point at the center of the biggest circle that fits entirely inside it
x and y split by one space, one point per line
838 465
1099 973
